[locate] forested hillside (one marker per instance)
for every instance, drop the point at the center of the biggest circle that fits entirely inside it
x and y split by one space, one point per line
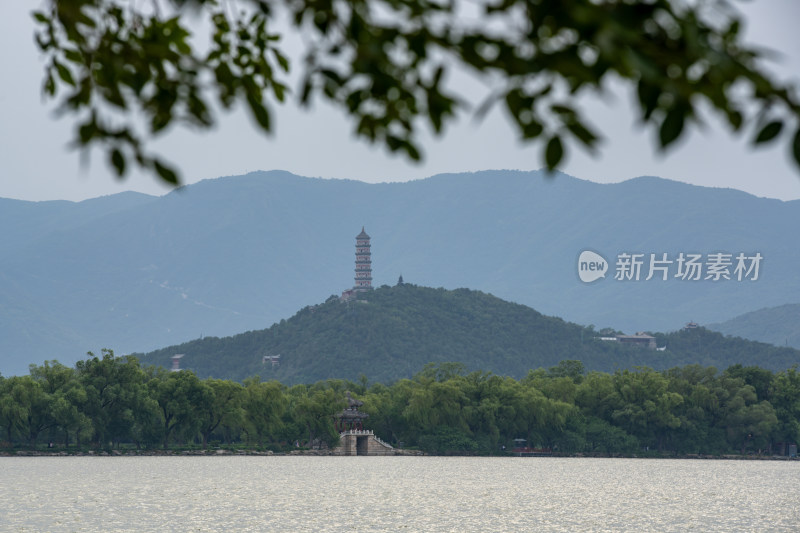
391 332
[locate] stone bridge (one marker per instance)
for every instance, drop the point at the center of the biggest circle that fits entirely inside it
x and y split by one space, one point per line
363 442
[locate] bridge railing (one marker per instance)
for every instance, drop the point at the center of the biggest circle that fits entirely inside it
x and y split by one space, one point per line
365 432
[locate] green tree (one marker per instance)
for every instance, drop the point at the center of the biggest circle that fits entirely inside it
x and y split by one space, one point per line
447 440
556 388
696 432
181 398
538 417
225 407
12 412
127 71
34 408
603 437
115 392
52 375
385 406
648 408
786 400
490 413
569 368
748 422
264 404
68 396
597 396
313 409
758 378
437 404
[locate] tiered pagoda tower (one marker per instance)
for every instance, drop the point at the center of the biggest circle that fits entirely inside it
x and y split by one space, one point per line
363 262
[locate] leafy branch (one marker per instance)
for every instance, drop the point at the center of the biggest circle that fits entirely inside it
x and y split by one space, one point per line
128 71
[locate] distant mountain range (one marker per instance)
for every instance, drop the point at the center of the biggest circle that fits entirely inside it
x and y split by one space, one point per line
134 272
392 332
775 325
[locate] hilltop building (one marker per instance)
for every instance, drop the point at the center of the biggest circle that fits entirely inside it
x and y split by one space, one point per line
363 277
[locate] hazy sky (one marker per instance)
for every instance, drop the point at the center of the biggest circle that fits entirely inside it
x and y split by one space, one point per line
36 165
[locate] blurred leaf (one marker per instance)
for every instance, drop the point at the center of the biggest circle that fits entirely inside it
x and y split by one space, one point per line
260 112
648 99
735 118
49 85
563 110
672 127
118 161
279 90
554 152
383 69
582 133
166 173
281 59
74 56
796 147
86 131
769 132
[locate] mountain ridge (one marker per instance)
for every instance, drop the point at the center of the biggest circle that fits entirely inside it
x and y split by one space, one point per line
242 252
778 325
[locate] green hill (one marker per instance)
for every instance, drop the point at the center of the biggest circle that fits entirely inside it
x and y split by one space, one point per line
392 332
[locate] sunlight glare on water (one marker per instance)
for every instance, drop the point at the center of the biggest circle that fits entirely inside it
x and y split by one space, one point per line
395 494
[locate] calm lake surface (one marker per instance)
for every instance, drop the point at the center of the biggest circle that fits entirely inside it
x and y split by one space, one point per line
395 493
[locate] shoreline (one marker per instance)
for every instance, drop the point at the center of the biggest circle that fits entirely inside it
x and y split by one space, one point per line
398 453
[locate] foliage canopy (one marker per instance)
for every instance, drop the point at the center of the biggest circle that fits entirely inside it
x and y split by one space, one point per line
126 71
442 409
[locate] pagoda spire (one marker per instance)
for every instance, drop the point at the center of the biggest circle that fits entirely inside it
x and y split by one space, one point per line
363 277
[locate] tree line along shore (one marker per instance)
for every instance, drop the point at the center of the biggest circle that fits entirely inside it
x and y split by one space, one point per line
111 405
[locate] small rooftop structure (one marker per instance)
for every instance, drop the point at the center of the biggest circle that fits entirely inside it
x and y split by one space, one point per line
351 418
176 362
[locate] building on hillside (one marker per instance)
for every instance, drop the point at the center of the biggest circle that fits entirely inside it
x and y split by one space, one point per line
639 339
363 277
274 360
176 362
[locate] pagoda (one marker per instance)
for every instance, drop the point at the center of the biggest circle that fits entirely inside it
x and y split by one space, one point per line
350 419
363 277
353 438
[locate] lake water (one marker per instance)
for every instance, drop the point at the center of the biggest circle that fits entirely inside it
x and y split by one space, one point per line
395 493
